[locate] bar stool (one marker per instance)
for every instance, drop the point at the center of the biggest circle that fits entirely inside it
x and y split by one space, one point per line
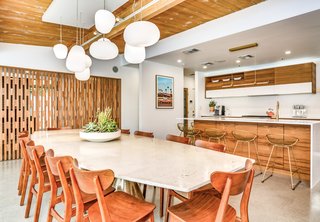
285 142
216 134
243 136
189 132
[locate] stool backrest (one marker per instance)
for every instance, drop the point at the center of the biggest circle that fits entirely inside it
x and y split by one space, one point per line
230 184
92 182
210 145
178 139
145 134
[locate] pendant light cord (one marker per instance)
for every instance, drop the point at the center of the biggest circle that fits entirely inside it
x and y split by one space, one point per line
77 18
60 32
133 6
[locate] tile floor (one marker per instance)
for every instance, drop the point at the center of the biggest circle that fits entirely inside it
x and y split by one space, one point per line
271 201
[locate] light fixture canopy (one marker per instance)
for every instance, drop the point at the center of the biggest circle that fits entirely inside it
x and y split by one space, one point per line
104 21
104 49
141 34
76 59
83 76
60 51
133 54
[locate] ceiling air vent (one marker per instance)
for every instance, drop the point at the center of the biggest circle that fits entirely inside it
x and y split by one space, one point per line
246 56
207 64
190 51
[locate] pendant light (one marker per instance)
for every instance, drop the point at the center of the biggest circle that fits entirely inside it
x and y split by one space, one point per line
133 54
104 49
60 50
141 33
104 20
83 76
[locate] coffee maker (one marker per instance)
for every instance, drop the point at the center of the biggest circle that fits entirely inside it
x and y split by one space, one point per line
220 111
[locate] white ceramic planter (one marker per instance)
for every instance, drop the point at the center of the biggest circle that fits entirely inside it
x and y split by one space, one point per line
100 137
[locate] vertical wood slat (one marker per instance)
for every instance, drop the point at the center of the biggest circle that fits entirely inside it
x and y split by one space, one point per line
35 99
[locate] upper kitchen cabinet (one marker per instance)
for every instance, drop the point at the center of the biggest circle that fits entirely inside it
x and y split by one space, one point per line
292 79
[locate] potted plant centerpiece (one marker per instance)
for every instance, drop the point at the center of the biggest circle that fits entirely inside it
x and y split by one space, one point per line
212 105
103 129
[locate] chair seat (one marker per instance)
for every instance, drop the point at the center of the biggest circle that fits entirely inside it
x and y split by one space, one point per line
203 207
122 207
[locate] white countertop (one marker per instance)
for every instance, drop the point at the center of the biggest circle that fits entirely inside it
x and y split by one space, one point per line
255 120
144 160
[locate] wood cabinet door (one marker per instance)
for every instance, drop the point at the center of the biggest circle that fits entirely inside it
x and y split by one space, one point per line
294 74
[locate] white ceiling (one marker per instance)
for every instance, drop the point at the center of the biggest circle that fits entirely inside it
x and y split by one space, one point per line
299 34
65 11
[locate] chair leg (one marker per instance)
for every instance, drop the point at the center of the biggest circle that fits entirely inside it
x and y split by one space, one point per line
30 196
257 157
161 201
21 177
249 150
266 169
295 163
225 143
293 186
169 199
151 217
235 148
24 186
144 192
38 205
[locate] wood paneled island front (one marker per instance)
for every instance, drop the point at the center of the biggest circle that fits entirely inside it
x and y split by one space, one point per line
306 151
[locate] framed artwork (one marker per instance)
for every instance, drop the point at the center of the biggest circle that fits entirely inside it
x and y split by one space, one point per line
164 92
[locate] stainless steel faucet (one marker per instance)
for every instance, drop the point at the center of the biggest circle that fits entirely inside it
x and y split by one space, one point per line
277 110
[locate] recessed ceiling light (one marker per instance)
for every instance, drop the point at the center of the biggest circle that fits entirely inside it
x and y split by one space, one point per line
179 61
204 67
288 52
238 61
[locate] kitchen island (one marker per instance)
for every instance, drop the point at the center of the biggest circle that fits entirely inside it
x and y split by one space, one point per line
307 150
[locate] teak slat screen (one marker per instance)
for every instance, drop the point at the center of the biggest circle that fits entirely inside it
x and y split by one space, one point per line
35 100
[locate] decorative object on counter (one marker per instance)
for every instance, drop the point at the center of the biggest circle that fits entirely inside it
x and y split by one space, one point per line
164 92
212 105
103 129
270 112
220 110
299 111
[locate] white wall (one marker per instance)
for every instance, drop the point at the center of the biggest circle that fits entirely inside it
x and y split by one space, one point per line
159 121
190 85
258 105
42 58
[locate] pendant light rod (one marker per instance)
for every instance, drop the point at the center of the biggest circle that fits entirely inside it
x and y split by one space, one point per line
125 19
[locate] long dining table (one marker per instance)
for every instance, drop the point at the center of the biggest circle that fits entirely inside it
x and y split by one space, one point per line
149 161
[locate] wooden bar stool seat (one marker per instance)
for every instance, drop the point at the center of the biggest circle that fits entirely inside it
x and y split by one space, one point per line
247 137
207 208
216 134
284 142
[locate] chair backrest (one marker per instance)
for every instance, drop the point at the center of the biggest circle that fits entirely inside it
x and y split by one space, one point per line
230 184
178 139
91 182
125 131
59 128
23 133
58 167
145 134
210 145
36 154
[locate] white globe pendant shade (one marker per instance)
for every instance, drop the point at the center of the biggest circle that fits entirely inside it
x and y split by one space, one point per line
88 61
76 59
104 21
83 76
133 54
141 34
104 50
60 51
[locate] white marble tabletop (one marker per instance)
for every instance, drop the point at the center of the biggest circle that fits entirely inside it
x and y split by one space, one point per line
144 160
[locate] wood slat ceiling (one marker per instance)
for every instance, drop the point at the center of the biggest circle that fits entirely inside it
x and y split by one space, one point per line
21 23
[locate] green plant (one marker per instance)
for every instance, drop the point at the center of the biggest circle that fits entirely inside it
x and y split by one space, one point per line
103 123
212 103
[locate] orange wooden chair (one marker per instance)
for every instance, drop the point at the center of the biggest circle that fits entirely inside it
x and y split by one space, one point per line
26 168
23 134
117 206
125 131
204 189
58 172
210 145
145 134
204 207
59 128
39 183
178 139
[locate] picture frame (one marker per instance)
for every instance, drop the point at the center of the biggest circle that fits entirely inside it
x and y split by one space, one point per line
164 92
